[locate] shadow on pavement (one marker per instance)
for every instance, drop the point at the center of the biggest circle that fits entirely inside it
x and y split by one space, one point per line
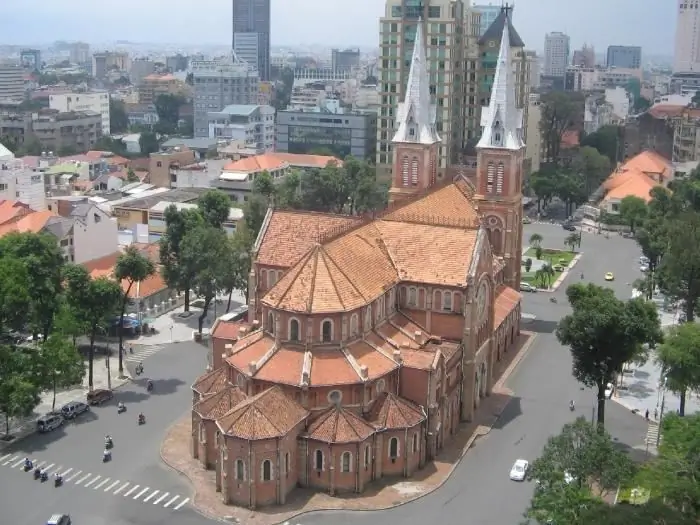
640 374
160 386
129 397
86 417
510 413
635 454
542 327
639 390
38 442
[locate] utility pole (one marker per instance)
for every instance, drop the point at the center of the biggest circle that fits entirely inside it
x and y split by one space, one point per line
661 414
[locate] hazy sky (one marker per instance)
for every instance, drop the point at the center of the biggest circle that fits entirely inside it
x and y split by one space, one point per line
648 23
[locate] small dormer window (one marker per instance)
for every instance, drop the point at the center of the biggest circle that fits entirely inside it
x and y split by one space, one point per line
497 138
411 132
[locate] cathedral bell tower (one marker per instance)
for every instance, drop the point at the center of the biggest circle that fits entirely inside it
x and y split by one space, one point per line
416 141
500 154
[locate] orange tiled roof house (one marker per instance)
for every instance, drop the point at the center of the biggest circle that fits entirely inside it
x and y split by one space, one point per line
371 339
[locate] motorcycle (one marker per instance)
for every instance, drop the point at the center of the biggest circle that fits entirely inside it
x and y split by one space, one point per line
108 444
28 466
58 481
553 300
121 408
142 419
44 476
139 370
149 386
37 473
107 456
572 407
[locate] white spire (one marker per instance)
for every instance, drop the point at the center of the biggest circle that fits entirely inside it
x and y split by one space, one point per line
502 121
415 117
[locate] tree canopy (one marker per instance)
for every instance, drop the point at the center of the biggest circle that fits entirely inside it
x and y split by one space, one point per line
559 113
603 333
679 359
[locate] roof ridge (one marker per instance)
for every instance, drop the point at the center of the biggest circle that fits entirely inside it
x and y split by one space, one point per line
300 265
310 301
342 272
383 247
332 278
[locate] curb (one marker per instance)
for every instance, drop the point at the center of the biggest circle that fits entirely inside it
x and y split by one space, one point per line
517 359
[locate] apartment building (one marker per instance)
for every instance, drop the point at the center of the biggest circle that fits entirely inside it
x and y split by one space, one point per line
220 83
686 135
11 81
330 127
97 102
18 182
686 55
556 54
133 210
533 146
140 69
345 59
253 124
488 14
76 130
153 86
156 218
627 57
160 163
584 57
103 62
443 28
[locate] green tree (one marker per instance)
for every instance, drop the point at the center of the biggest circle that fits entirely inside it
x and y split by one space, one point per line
131 176
30 146
115 146
538 252
633 211
204 253
43 263
264 185
132 268
603 333
96 300
118 119
237 264
544 186
608 140
536 240
168 109
148 143
528 264
19 392
177 224
593 166
573 241
14 294
654 512
559 112
68 322
215 207
287 193
320 189
673 476
679 359
60 364
641 104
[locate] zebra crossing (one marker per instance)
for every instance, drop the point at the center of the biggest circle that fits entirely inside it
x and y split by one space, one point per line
101 483
652 434
141 352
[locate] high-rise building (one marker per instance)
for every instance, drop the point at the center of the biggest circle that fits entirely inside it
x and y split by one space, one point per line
251 34
345 59
97 102
488 13
30 58
556 54
628 57
140 69
584 57
220 83
443 25
177 63
11 81
686 56
79 53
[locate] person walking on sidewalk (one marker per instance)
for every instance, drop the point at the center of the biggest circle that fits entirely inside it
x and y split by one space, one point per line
646 415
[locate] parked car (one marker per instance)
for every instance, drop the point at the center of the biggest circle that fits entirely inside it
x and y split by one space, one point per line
49 422
609 276
569 227
99 396
59 519
74 409
517 473
527 287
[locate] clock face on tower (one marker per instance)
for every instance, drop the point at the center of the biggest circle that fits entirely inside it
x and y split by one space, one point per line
482 299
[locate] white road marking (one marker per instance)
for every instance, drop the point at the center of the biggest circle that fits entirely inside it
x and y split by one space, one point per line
82 479
5 457
121 488
161 498
49 467
142 493
93 480
112 486
150 497
15 465
74 475
101 483
64 474
182 504
40 464
171 501
132 489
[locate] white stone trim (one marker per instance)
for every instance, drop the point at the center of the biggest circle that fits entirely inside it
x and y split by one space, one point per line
342 459
235 470
323 322
262 470
323 460
398 448
354 325
289 329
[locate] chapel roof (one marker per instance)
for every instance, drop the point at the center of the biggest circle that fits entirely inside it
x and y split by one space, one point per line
392 412
338 425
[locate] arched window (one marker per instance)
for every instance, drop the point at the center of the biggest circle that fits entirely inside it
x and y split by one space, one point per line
346 462
271 323
318 460
415 442
240 470
354 321
447 301
414 171
263 277
368 456
271 278
499 178
293 330
266 474
368 318
394 448
404 170
490 177
286 463
327 331
412 296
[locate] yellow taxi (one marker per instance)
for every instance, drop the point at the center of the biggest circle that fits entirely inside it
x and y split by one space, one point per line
609 276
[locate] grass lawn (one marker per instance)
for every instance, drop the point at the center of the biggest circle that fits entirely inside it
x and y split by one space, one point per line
633 496
554 257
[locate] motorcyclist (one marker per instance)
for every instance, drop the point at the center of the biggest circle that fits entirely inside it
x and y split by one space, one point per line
571 404
581 275
108 441
106 454
44 475
121 406
149 384
58 477
27 463
142 418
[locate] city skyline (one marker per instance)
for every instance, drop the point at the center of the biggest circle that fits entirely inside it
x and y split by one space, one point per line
208 22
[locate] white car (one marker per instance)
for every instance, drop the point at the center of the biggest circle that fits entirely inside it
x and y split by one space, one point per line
517 473
609 389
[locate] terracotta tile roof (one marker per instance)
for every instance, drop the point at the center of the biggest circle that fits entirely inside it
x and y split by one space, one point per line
268 415
211 382
104 267
229 330
638 186
31 223
452 203
219 404
418 359
250 348
378 359
11 211
108 157
150 250
331 367
337 425
651 163
665 111
289 235
277 161
393 333
393 412
506 301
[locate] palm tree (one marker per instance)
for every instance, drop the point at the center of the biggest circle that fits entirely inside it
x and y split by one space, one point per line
541 278
572 241
536 240
548 274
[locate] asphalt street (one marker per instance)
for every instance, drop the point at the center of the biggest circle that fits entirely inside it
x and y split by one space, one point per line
479 492
135 487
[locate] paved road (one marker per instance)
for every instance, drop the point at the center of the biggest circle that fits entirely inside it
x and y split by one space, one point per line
479 492
135 488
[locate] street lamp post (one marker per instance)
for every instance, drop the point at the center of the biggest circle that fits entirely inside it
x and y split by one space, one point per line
661 413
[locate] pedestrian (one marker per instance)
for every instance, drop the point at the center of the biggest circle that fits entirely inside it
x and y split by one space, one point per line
646 415
656 414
